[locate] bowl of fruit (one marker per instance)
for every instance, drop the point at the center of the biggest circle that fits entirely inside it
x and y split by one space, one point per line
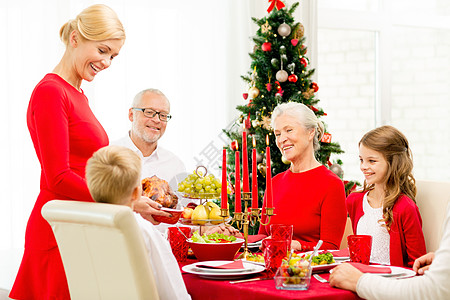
216 246
200 185
294 274
207 213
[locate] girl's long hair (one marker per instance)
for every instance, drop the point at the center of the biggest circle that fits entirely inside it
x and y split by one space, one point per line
399 178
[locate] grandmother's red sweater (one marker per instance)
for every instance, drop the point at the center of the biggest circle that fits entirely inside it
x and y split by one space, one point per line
314 202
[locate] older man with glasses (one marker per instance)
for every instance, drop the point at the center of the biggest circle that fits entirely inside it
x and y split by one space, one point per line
149 115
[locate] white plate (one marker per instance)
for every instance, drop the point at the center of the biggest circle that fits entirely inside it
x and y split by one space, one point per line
396 270
212 273
322 268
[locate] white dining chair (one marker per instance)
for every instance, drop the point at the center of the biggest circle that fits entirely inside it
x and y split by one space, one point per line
432 199
102 250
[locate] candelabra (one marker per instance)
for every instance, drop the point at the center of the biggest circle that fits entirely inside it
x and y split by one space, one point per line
245 219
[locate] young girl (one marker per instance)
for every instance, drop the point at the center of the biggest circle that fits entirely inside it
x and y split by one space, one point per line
386 208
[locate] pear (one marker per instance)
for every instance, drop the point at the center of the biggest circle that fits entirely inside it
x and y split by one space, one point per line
215 215
211 205
199 213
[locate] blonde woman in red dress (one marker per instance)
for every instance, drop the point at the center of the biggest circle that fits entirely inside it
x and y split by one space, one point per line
65 133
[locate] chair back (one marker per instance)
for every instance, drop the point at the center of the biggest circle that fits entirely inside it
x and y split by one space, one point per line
432 199
347 231
102 250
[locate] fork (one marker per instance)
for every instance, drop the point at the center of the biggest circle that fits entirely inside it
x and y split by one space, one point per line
319 278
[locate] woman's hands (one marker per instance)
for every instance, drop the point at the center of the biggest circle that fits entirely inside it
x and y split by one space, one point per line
423 263
296 245
147 208
345 276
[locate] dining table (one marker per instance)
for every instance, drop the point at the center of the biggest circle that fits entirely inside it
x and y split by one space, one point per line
203 288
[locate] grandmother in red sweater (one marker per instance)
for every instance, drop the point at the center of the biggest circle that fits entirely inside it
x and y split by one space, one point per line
307 195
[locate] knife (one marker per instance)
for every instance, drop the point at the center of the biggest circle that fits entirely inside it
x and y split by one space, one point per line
251 279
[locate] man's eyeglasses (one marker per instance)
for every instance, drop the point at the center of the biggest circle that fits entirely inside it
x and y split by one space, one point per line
150 113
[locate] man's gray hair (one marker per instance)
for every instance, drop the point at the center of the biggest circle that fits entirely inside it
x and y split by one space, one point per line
137 99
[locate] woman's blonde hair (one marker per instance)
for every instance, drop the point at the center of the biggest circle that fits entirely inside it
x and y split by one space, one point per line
95 23
112 173
394 147
305 117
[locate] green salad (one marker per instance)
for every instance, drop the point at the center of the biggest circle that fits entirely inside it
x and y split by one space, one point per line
212 238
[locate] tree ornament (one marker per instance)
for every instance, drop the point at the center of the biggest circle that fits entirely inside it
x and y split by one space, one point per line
281 75
326 138
284 160
268 87
259 157
248 123
292 78
234 145
253 92
304 62
262 169
337 169
291 67
245 96
255 123
266 47
284 30
266 27
314 86
274 62
308 94
282 50
275 3
294 42
265 122
300 31
304 49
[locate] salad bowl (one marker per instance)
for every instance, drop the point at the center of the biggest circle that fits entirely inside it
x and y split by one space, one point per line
218 248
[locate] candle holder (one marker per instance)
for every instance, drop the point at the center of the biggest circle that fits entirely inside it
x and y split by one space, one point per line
245 219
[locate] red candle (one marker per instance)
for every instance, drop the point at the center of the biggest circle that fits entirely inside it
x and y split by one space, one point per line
237 184
254 177
269 195
224 198
245 179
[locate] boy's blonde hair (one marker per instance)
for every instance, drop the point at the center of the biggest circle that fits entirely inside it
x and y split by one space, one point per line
112 173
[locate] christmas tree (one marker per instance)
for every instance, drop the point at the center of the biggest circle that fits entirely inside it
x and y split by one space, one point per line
279 73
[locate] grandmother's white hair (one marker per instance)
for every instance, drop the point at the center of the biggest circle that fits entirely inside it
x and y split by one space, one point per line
304 115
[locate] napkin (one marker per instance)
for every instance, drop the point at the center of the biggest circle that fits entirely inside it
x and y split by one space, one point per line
255 238
370 269
341 253
232 265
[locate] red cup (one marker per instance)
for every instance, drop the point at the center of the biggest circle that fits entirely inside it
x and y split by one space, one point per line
178 242
274 252
360 247
282 232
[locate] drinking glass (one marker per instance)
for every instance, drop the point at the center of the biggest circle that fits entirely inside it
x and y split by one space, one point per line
178 242
274 252
282 232
359 247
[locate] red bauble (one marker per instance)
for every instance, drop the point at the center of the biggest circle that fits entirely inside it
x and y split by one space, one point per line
315 87
294 42
266 46
234 145
304 62
292 78
268 87
245 95
248 122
